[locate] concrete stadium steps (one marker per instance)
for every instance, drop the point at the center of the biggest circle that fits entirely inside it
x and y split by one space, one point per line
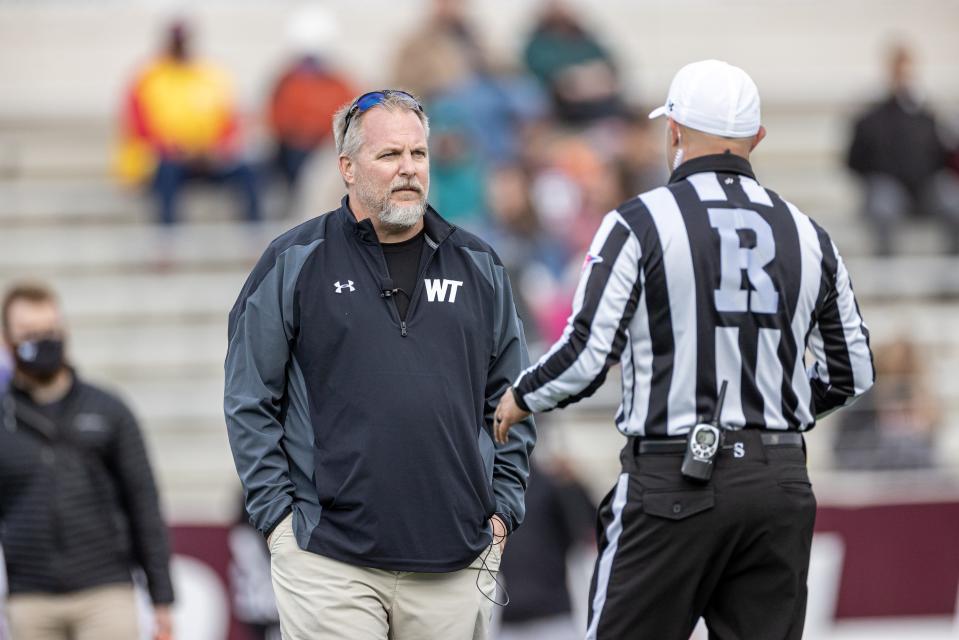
194 468
183 399
54 184
71 201
136 299
791 51
129 352
36 201
107 248
56 148
923 279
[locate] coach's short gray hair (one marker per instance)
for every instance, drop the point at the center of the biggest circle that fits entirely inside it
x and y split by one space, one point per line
349 144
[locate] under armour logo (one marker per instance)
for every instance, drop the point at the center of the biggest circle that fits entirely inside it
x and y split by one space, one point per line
728 181
348 286
739 450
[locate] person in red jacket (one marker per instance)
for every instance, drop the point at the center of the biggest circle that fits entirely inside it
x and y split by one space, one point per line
304 100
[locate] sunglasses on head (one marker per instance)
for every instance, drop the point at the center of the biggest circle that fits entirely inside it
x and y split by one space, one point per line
369 100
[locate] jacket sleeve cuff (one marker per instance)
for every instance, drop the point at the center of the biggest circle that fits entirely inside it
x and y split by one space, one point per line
266 532
162 599
507 520
518 397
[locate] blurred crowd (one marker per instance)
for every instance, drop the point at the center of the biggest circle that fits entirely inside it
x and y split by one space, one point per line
529 154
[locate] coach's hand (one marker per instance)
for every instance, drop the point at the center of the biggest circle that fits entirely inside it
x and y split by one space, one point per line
499 532
507 414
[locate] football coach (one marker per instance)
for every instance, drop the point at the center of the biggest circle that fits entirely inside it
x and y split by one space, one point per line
366 352
708 291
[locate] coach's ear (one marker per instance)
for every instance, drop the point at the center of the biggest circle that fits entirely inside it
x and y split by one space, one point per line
758 137
346 170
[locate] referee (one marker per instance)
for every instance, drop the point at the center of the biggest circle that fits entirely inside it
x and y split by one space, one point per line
711 282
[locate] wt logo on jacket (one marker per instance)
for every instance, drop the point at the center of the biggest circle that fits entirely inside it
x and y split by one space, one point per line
436 289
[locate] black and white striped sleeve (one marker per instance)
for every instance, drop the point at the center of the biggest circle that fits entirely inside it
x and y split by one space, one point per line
606 297
839 339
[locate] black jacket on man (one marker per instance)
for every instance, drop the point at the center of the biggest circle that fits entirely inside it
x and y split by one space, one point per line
375 431
78 504
898 137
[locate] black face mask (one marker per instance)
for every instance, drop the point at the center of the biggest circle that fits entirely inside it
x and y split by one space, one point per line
40 359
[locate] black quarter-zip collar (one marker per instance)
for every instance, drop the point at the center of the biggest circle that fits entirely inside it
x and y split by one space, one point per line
720 162
437 229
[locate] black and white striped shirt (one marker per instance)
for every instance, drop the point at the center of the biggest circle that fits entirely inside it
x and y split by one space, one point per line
710 278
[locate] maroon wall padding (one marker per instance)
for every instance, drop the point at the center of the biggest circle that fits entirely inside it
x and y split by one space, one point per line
900 559
208 544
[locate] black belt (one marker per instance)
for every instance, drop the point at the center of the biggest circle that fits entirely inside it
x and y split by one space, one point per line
678 444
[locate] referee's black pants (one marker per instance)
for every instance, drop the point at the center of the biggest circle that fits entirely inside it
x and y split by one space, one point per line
734 551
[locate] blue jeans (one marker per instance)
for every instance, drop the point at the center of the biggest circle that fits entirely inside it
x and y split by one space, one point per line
171 175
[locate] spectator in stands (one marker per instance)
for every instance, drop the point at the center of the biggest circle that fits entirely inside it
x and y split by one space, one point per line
639 154
495 99
893 426
306 95
577 70
438 55
560 517
900 155
78 506
535 260
457 170
180 124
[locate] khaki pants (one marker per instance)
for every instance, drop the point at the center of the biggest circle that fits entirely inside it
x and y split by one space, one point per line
324 599
100 613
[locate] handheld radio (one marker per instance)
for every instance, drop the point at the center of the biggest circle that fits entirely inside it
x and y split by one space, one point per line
702 444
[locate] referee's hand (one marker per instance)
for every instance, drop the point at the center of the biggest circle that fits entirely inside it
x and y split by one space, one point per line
507 414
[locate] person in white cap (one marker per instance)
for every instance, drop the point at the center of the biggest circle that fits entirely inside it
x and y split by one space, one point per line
707 291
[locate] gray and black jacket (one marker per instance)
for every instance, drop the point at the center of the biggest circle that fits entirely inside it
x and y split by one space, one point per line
78 503
374 431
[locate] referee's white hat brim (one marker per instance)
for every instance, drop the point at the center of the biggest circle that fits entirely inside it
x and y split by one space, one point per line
658 111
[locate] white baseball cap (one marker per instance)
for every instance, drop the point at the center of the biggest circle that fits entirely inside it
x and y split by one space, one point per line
714 97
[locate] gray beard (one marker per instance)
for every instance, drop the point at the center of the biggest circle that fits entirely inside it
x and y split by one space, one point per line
393 217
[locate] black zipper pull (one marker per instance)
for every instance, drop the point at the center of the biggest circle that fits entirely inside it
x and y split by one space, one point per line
403 328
